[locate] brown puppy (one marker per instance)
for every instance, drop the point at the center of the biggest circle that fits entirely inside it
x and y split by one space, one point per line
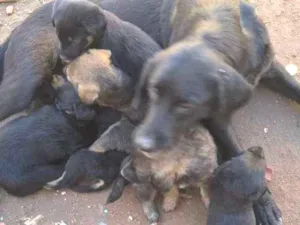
236 185
190 163
98 80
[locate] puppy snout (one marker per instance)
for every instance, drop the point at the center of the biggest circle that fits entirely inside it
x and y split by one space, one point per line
144 143
150 142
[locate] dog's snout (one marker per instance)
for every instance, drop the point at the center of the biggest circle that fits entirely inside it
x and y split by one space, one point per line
144 142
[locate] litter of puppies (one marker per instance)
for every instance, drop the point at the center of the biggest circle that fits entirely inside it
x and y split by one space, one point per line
174 93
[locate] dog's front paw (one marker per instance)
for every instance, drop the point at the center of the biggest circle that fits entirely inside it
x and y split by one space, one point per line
266 210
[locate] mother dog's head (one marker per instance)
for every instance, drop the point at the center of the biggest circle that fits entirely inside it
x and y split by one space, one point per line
190 81
185 84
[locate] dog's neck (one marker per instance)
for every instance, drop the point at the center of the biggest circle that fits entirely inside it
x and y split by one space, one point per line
215 24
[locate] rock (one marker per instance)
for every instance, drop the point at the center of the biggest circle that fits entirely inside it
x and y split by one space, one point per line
292 69
34 221
10 10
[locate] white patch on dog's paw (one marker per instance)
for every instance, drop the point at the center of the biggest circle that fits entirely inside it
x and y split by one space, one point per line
98 185
52 184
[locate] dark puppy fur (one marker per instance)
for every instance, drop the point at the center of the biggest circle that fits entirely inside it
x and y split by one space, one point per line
81 25
89 171
236 185
188 164
35 148
98 81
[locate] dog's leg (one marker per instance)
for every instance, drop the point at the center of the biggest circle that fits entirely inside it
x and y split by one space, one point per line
225 138
205 192
279 80
146 194
171 199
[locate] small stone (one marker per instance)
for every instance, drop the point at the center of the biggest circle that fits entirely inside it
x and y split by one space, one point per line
60 223
130 218
34 221
105 211
63 193
1 218
266 130
89 206
10 10
292 69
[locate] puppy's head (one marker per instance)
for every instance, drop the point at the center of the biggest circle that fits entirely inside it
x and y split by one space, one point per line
79 25
244 176
185 83
97 80
68 100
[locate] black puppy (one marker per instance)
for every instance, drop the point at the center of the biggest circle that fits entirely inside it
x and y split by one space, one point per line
34 148
236 185
89 171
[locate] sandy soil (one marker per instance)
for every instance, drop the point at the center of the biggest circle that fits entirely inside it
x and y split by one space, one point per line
269 120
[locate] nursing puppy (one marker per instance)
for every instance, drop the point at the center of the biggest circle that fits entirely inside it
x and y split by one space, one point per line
34 148
235 186
81 25
99 82
190 163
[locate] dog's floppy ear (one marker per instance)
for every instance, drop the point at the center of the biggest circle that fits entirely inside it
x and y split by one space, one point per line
260 48
233 90
128 172
96 23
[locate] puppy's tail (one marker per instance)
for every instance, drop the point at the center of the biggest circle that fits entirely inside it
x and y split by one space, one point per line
65 181
3 48
117 189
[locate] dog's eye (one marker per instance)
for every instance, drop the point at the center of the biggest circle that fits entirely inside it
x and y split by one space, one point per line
154 93
182 107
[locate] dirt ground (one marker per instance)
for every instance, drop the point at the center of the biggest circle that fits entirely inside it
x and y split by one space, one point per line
269 120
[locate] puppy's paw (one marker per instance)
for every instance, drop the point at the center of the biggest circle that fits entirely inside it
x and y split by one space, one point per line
266 210
169 204
170 199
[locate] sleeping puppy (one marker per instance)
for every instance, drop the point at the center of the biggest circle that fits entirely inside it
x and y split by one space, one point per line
236 185
188 164
89 171
34 148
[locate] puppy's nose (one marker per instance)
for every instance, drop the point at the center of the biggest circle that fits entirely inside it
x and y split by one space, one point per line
144 143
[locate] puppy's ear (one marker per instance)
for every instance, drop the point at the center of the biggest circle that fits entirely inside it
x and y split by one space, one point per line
233 90
261 51
95 24
128 172
84 113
